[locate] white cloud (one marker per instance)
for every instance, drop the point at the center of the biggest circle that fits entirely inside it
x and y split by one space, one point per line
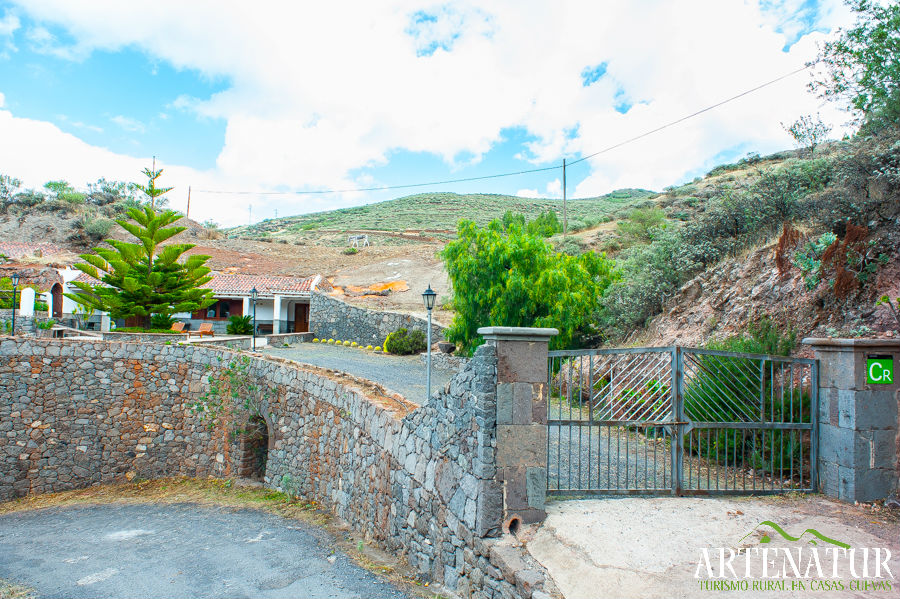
128 124
316 93
8 24
528 193
554 189
2 99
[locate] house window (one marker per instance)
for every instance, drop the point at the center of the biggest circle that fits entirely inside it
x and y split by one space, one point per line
220 309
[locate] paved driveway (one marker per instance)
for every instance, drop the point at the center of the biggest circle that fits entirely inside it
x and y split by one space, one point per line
181 550
403 374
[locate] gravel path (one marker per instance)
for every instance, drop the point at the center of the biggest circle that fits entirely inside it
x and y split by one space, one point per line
403 374
180 550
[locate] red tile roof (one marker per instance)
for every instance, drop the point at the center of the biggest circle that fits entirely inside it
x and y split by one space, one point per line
232 284
223 284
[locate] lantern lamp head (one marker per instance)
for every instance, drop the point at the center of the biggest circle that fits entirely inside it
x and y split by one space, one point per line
428 296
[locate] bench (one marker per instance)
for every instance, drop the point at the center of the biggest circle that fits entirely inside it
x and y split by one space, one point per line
177 327
205 329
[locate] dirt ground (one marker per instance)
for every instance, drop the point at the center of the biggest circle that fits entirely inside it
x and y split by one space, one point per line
651 547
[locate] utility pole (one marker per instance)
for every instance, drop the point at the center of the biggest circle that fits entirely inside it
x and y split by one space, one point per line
565 214
188 213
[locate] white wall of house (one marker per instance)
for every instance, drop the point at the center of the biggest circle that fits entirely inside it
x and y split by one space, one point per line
68 275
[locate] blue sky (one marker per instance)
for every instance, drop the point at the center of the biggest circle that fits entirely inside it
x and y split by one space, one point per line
290 97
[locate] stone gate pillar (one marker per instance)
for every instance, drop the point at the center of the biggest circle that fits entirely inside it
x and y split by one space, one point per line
521 420
858 396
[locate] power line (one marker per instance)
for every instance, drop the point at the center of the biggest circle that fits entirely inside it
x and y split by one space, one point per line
384 187
525 172
690 116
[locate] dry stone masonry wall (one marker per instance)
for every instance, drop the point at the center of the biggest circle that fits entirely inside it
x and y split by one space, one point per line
423 483
330 318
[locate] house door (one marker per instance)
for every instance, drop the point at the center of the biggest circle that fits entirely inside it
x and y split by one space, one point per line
56 295
301 318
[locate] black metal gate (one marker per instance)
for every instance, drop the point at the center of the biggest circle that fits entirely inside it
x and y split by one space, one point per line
680 420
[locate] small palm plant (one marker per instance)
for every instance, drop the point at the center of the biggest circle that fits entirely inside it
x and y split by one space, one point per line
239 325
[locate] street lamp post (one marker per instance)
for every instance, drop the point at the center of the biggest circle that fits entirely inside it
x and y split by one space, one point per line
428 296
253 294
15 282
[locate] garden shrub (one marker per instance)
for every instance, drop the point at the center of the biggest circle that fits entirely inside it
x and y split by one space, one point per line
161 321
403 342
240 325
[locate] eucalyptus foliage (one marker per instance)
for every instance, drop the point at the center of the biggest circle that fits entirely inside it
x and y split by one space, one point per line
506 277
862 65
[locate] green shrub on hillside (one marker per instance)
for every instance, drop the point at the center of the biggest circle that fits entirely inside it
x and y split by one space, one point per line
761 337
641 221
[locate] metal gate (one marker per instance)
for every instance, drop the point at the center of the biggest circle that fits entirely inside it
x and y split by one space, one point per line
680 420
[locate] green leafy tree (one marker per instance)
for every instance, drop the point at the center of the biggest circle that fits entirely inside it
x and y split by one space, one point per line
510 278
862 66
546 224
808 132
145 278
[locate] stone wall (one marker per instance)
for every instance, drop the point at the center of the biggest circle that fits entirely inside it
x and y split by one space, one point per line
79 413
420 482
24 324
289 338
131 337
330 318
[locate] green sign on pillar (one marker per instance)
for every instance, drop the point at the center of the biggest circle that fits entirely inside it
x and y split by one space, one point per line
880 370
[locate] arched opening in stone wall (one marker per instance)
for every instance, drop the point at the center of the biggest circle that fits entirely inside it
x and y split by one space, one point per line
253 449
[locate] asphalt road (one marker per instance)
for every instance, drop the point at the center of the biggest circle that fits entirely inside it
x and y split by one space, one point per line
403 374
181 550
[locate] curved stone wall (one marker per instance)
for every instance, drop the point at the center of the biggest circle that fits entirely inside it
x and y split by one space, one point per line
421 482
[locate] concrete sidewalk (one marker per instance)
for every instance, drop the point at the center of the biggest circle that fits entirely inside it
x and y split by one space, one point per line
651 547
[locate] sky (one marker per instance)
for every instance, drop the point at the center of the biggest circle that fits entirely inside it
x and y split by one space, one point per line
238 100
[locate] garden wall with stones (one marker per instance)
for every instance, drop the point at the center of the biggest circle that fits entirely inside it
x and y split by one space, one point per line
420 482
331 318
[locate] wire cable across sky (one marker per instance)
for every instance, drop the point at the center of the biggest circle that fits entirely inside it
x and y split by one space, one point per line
524 172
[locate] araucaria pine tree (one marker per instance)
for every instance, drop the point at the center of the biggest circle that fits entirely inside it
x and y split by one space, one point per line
145 278
153 192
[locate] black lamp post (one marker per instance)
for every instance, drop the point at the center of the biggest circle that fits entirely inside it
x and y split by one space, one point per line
428 296
15 282
253 295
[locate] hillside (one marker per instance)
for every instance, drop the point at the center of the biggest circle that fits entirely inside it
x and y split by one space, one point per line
717 256
436 214
697 260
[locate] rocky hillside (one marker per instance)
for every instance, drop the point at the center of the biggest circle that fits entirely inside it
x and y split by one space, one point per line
823 277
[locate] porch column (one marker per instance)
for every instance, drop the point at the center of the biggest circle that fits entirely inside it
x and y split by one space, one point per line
245 307
276 314
858 396
521 419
